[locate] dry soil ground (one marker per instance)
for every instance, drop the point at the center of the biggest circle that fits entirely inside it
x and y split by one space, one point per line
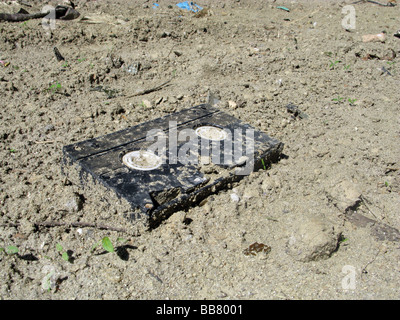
340 163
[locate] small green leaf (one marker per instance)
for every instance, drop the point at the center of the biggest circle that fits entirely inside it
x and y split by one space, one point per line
11 249
65 256
121 240
262 160
352 101
107 245
59 247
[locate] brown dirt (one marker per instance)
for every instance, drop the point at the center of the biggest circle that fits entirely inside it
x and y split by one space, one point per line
257 59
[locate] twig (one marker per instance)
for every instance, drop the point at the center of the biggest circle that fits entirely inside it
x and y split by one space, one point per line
24 3
365 203
51 224
363 270
43 142
389 4
310 14
170 51
154 276
391 170
147 91
380 230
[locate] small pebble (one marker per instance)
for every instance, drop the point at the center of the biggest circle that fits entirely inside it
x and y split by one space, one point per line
235 197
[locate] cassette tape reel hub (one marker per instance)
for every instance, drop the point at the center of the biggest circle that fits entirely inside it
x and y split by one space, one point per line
211 133
142 160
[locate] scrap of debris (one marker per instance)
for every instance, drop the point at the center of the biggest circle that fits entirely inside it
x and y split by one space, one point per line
291 108
58 54
61 12
390 3
256 248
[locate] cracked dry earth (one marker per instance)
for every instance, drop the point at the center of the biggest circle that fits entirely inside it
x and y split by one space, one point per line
325 217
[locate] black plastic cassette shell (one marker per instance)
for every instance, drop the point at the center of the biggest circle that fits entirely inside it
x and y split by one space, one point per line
179 185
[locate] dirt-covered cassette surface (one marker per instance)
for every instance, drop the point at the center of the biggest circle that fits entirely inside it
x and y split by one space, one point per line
158 167
320 223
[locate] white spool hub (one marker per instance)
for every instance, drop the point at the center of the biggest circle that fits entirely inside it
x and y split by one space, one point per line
211 133
142 160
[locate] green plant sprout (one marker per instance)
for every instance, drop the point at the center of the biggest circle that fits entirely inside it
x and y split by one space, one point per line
343 239
346 67
9 250
55 87
262 161
64 254
333 64
388 187
352 101
106 244
338 99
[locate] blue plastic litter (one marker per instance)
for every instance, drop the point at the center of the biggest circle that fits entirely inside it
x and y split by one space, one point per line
191 6
283 8
155 5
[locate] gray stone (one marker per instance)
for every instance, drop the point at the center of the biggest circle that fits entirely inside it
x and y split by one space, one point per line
346 195
48 128
312 239
74 204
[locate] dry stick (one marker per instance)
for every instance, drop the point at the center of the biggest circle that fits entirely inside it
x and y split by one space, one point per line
310 14
365 203
154 276
172 48
389 4
24 3
146 91
50 224
363 270
44 142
